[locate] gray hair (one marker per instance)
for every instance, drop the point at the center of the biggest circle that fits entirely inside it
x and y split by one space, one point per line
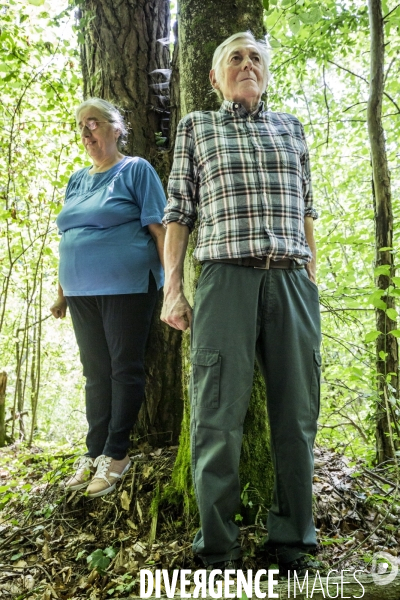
223 48
109 113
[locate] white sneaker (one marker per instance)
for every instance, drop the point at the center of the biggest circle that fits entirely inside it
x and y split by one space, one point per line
108 472
84 471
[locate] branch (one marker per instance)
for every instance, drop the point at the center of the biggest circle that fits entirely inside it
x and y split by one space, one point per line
357 427
327 107
388 69
348 71
391 100
390 12
345 424
346 309
353 105
341 343
365 80
44 319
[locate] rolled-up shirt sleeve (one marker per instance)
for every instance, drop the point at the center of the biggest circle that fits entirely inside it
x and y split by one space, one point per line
309 210
149 194
181 205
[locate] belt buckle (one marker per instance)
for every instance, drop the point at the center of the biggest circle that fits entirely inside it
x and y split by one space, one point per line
266 266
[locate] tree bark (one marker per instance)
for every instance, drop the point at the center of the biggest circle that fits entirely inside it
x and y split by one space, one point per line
124 43
386 344
202 26
3 386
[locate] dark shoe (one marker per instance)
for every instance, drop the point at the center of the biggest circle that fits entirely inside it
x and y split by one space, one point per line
301 566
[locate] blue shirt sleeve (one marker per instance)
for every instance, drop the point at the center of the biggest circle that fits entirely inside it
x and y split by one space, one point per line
149 194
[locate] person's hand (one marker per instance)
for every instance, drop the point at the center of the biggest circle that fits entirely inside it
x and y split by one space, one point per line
176 311
310 268
59 308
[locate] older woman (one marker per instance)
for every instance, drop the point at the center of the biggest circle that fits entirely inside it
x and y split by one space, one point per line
244 172
111 254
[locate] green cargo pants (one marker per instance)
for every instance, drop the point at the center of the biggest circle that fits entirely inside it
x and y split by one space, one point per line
240 314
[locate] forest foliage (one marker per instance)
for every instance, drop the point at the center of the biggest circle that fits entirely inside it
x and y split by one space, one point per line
320 73
40 84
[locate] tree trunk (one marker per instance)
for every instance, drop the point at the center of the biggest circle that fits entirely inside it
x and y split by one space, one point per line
386 344
3 386
202 26
124 43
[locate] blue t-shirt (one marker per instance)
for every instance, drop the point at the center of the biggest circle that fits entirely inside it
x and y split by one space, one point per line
105 246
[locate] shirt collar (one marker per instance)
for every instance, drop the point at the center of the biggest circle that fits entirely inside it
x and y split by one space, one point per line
238 109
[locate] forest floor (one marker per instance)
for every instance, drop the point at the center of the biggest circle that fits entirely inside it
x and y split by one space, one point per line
65 546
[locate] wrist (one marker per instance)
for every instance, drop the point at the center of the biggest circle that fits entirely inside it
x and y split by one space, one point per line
173 282
172 290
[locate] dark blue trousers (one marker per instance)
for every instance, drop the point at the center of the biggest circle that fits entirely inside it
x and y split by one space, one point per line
112 332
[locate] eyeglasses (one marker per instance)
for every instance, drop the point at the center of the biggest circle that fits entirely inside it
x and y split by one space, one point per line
90 124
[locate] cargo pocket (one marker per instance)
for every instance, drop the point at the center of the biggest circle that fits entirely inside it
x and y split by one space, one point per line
206 371
315 385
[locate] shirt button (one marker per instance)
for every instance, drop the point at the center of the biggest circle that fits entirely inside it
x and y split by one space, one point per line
236 105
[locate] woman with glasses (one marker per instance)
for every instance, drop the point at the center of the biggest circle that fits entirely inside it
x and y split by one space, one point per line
111 254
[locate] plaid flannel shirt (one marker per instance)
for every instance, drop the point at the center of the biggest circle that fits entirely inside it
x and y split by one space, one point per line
247 178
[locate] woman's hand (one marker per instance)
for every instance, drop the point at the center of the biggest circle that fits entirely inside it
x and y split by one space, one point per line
176 310
59 308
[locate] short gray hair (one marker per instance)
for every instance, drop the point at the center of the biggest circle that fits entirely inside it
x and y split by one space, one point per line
222 49
109 113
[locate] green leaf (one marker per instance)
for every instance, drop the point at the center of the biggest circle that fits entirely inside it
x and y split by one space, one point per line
378 303
371 336
274 43
382 270
266 4
310 17
294 24
17 556
395 332
238 517
396 281
383 355
98 560
110 552
36 2
391 313
315 14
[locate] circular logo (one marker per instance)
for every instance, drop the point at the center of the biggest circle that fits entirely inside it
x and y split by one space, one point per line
384 568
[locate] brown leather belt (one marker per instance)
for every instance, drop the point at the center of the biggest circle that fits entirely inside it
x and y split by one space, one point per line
261 263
